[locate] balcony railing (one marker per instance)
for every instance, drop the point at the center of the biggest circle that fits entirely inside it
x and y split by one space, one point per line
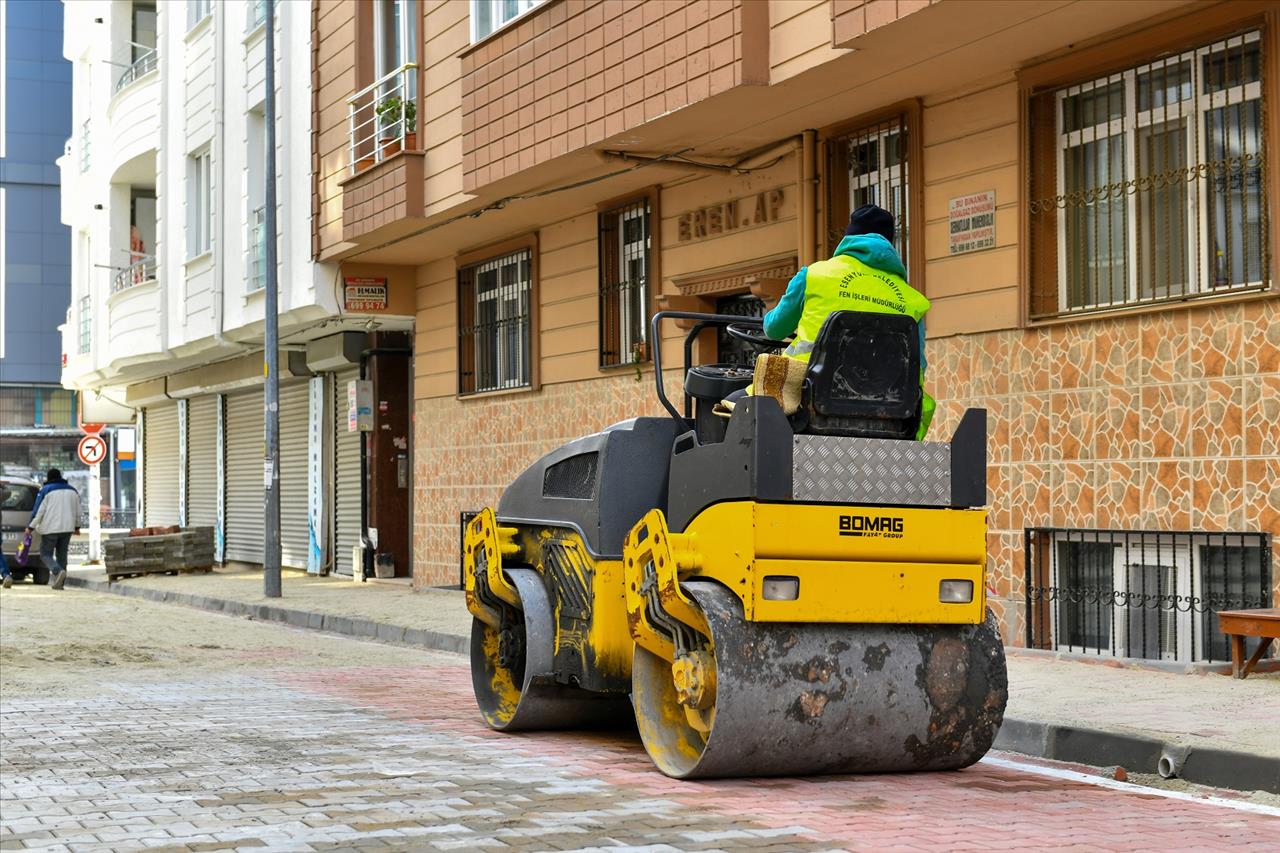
144 63
382 118
257 278
84 324
1141 595
140 271
85 160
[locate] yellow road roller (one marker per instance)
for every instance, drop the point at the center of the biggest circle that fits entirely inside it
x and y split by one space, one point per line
768 594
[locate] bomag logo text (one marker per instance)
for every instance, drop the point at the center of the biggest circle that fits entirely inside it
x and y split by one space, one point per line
883 526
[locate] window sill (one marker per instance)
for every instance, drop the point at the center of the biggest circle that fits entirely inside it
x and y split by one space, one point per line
381 166
256 33
199 27
497 33
1156 307
198 260
501 392
252 295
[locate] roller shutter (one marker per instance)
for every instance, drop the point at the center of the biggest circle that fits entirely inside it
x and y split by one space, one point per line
348 490
244 477
202 461
160 464
295 401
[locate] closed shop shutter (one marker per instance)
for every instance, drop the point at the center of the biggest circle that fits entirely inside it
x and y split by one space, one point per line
244 477
348 490
295 402
202 461
160 465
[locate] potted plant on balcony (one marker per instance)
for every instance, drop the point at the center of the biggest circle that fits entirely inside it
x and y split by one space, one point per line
390 110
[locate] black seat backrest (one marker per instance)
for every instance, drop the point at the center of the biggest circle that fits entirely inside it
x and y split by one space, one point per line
863 377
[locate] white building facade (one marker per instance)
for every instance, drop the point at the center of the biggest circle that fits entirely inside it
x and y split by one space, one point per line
163 187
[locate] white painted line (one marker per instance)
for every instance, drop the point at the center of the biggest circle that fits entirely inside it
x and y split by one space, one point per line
1128 787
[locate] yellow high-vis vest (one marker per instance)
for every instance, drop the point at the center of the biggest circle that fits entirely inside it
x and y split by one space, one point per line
845 283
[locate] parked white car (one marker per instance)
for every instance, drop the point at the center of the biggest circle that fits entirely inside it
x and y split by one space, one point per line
17 497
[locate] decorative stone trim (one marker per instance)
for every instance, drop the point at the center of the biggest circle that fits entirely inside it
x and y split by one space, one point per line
759 276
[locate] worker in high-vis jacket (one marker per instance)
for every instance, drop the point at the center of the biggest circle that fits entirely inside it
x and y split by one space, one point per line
864 274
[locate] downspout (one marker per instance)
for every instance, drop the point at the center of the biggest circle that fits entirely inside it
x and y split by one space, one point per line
808 198
219 152
366 570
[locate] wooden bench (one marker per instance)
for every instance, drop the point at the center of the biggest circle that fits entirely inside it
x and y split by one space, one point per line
1238 624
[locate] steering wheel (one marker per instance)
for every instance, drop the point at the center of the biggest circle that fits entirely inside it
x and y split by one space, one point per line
726 372
755 337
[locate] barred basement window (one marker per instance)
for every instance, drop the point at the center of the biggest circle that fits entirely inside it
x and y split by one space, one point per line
1148 185
1150 595
494 310
625 259
871 166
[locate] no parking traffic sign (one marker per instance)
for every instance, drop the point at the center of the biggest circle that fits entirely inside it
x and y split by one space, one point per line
92 449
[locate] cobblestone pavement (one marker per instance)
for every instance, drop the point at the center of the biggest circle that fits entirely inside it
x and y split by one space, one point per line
382 749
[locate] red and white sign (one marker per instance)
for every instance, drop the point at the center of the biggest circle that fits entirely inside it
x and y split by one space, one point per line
365 294
91 450
92 429
972 220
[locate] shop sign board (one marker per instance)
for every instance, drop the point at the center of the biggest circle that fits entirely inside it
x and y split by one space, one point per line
973 222
364 294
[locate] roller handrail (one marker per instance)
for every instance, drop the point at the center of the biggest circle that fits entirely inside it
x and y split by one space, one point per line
703 321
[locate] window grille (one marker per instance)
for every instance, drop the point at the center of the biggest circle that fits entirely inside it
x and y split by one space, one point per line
1149 184
494 306
625 258
1141 594
871 166
84 319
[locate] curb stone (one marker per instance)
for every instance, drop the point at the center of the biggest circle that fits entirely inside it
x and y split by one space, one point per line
1220 768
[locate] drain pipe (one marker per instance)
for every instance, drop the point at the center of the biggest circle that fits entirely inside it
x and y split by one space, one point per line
366 568
808 198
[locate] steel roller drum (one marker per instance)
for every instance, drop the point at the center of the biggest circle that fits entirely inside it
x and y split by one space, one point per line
798 699
524 695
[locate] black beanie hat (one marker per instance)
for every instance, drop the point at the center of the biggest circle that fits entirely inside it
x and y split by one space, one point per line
53 475
870 219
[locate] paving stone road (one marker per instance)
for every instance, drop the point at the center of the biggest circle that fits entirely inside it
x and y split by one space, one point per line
203 732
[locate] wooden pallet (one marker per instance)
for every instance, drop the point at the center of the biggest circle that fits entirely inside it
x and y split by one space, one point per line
120 574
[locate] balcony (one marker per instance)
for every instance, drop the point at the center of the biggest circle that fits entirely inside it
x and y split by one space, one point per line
133 311
145 63
382 119
141 271
385 181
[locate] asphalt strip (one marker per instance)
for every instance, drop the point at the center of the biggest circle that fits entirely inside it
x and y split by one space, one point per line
1127 787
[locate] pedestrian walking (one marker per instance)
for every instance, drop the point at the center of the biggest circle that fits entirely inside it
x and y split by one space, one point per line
56 517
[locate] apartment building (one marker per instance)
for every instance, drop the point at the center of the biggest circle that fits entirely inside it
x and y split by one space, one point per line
1083 193
37 416
163 187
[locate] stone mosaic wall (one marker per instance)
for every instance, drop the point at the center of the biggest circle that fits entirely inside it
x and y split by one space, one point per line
1164 421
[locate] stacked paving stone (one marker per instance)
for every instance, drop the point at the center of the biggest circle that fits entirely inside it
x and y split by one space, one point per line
128 554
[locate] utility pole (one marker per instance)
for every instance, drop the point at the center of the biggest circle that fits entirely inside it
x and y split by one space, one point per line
271 339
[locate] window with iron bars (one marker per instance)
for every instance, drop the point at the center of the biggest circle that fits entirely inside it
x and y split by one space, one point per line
871 165
494 323
625 266
85 319
1141 595
1148 185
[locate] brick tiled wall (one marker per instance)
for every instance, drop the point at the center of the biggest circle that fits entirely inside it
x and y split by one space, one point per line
1167 421
578 71
853 18
383 194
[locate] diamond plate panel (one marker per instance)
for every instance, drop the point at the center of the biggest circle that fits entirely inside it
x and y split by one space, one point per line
865 470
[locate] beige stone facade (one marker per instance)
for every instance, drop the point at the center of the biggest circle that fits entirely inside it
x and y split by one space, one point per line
1159 415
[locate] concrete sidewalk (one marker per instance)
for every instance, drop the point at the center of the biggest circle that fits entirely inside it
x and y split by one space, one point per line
1223 731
